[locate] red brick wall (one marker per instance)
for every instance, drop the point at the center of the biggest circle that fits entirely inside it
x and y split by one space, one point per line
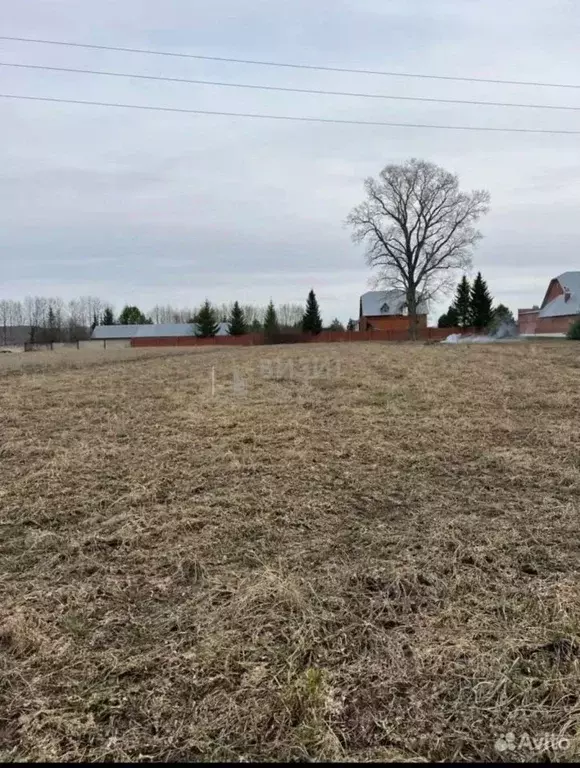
530 322
555 324
527 320
390 322
433 334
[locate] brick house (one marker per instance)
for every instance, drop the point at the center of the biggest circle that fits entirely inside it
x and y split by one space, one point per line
560 307
387 311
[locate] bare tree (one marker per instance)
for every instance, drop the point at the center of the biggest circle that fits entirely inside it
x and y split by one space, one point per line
290 315
419 228
5 319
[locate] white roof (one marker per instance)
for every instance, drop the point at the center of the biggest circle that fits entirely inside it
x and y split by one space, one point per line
569 281
375 303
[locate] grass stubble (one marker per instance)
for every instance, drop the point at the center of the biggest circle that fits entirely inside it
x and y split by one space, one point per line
350 552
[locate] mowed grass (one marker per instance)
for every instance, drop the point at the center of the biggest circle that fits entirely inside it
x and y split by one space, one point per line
349 551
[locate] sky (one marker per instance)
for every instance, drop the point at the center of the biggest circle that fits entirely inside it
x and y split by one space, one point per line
154 208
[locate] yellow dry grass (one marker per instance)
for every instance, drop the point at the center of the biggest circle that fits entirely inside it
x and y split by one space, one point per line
357 551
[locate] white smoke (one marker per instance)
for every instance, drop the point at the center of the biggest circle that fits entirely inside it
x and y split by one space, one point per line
504 332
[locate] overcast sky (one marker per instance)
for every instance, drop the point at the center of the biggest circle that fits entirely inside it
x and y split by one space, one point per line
150 207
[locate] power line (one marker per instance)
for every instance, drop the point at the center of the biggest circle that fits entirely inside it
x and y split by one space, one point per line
285 89
286 64
294 118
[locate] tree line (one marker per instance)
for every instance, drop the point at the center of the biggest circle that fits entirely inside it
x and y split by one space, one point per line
472 307
50 319
271 322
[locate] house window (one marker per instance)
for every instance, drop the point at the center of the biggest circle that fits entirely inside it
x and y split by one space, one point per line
384 308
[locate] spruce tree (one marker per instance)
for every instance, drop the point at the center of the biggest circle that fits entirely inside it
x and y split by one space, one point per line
51 326
336 325
108 317
237 322
462 304
270 320
452 317
443 321
312 322
256 326
351 325
206 324
449 319
480 302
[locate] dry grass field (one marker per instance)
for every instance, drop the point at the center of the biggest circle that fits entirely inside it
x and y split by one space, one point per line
349 551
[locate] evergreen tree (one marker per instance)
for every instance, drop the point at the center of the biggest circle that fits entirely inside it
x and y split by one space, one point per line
270 320
256 326
481 301
462 304
51 326
336 325
452 317
206 322
503 314
574 331
443 321
108 317
311 322
237 321
132 316
449 319
351 325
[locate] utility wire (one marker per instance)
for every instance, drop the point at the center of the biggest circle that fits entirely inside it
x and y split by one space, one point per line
284 89
293 118
287 65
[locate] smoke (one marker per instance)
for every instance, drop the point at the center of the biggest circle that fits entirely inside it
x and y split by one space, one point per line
504 332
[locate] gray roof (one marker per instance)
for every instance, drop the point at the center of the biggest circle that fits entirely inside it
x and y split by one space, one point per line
375 303
164 329
559 306
114 331
149 331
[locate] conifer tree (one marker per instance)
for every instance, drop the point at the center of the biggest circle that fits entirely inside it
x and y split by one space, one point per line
237 322
205 321
270 320
462 303
480 304
312 322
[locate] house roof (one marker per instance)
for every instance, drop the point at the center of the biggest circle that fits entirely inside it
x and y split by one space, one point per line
376 303
149 331
114 331
559 306
164 329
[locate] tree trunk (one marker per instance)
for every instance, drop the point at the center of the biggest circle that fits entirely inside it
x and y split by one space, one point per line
412 310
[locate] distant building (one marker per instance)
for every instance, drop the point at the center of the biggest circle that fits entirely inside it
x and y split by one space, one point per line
159 330
387 311
560 307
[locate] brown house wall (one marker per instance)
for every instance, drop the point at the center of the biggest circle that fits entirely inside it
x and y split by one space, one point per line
527 321
555 324
390 322
530 322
